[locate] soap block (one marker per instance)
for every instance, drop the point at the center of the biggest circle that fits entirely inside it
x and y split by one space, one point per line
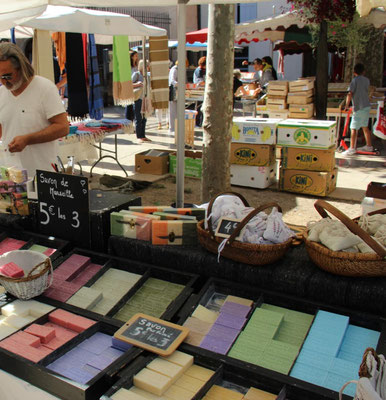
124 394
86 298
313 375
6 330
71 267
62 333
194 338
198 325
189 383
200 373
178 393
236 309
152 381
204 314
150 209
223 332
11 270
17 322
239 300
182 359
26 339
44 333
257 394
120 344
70 321
214 343
174 232
231 321
146 395
171 216
219 392
173 371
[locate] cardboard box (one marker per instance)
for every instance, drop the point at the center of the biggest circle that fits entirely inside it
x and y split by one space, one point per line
252 154
276 103
301 85
308 182
154 162
301 110
306 133
277 88
192 162
301 97
252 176
254 130
308 159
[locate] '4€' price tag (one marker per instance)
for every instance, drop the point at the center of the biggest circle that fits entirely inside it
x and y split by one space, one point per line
227 226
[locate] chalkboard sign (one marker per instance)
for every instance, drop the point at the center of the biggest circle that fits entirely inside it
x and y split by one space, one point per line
227 226
152 334
64 206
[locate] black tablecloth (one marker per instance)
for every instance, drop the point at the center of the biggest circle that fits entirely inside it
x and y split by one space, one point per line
295 274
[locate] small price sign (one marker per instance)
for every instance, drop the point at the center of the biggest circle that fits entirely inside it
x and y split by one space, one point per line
227 226
64 206
153 334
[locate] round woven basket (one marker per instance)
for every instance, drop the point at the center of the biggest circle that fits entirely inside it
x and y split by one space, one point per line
38 273
344 263
253 254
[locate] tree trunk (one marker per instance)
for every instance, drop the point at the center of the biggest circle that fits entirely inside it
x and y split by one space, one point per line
218 102
321 73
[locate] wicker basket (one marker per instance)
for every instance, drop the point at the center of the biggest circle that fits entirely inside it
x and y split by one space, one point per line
253 254
343 263
37 270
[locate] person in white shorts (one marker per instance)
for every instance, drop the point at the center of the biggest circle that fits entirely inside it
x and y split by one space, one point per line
359 95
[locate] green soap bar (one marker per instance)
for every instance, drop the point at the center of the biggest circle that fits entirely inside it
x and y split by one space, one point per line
248 357
296 341
39 248
290 315
155 283
267 331
267 316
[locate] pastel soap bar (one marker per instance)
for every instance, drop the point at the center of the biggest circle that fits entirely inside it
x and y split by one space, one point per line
236 309
70 321
257 394
198 372
173 371
217 392
182 359
86 298
11 270
205 314
152 381
239 300
44 333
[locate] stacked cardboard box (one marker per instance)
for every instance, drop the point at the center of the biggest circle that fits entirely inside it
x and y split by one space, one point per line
308 156
301 98
252 155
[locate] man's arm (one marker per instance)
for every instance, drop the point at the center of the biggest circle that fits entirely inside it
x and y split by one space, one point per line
58 128
348 101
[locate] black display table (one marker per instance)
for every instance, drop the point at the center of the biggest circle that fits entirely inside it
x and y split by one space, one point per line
295 274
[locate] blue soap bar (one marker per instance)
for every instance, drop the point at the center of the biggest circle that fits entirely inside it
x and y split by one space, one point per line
314 359
120 344
345 368
335 382
314 375
349 356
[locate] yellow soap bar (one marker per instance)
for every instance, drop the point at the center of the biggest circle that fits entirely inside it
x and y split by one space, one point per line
145 394
167 368
178 393
201 373
219 393
124 394
189 383
257 394
152 382
239 300
198 325
182 359
204 314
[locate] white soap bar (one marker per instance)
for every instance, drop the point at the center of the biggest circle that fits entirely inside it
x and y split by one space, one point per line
201 373
6 330
167 368
180 358
152 381
17 322
86 298
124 394
17 308
204 314
178 393
146 395
189 383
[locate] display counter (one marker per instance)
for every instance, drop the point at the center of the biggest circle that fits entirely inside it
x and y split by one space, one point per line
295 274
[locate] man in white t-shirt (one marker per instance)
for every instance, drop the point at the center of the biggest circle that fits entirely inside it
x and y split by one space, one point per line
32 115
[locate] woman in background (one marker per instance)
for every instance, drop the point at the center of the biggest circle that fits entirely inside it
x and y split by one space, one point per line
173 81
268 64
129 110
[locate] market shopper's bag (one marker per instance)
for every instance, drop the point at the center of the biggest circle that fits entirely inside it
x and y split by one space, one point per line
253 254
346 263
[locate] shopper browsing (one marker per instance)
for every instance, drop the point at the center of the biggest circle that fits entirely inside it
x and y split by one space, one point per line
199 72
359 95
32 115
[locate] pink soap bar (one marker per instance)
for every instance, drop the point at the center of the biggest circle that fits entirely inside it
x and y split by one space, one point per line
12 270
49 252
70 321
79 324
45 333
34 354
55 343
25 338
61 333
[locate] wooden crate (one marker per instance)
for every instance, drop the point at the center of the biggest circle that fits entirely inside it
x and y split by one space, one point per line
276 103
301 110
277 88
283 114
301 97
301 85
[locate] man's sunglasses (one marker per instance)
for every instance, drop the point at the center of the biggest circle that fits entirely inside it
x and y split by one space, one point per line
6 77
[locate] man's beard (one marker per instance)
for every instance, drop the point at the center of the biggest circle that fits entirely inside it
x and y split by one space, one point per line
14 86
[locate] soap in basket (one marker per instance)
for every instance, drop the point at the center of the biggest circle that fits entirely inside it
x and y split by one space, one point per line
11 270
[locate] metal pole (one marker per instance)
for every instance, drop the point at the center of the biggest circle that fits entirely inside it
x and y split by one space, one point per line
181 56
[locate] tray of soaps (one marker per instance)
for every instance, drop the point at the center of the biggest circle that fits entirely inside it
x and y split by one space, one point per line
63 353
308 345
114 289
24 240
184 376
